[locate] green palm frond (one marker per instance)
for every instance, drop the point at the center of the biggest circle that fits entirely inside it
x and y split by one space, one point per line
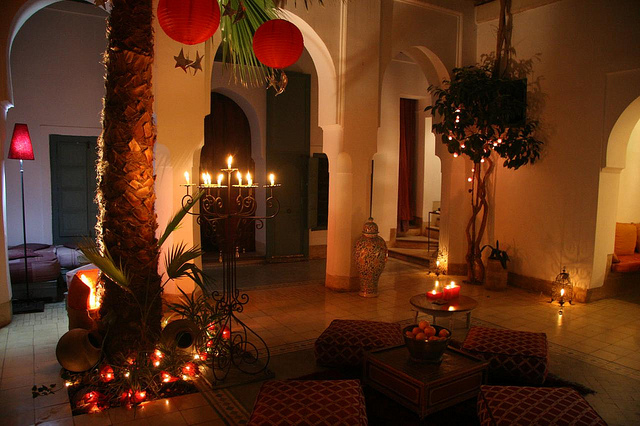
174 223
105 263
237 41
177 260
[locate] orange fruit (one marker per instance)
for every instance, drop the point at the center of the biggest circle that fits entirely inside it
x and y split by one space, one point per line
444 333
416 330
423 324
409 334
421 336
430 331
431 338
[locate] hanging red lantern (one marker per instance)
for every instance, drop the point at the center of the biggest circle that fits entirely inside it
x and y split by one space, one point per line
189 21
278 43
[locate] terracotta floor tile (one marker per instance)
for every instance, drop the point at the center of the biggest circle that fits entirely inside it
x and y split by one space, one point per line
54 412
199 415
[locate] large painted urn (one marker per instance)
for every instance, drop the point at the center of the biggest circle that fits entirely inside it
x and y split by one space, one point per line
370 255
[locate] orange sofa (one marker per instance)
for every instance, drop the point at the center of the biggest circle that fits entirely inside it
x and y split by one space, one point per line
626 252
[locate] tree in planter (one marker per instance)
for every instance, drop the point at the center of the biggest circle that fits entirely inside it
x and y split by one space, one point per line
483 116
127 221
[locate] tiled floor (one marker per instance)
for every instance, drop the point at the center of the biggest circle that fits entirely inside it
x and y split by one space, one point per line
595 344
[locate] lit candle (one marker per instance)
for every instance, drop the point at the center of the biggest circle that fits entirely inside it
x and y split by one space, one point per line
434 294
452 291
186 177
204 178
249 180
208 179
239 175
220 176
272 179
229 160
437 284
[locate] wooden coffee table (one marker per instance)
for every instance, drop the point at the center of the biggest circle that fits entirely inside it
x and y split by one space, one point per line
424 388
464 304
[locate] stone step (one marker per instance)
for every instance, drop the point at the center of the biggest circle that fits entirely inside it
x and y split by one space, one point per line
415 256
416 242
410 232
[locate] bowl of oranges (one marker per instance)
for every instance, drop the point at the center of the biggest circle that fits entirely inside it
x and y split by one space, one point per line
425 342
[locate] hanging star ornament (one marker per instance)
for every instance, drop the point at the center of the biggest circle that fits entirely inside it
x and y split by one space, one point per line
241 13
181 61
228 9
197 64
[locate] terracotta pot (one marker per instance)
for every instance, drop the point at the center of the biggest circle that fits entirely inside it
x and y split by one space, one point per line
79 350
182 333
495 276
370 255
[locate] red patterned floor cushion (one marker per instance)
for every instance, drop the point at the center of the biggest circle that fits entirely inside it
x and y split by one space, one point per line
344 342
310 402
514 405
519 356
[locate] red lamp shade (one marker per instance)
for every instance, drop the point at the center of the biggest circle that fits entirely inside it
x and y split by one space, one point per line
189 21
278 43
21 148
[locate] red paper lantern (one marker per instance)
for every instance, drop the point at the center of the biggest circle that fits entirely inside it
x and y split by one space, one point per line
189 21
278 43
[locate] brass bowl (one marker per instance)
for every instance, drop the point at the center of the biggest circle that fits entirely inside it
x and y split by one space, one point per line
423 350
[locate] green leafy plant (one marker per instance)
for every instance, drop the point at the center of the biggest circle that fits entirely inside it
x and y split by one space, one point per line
497 254
482 114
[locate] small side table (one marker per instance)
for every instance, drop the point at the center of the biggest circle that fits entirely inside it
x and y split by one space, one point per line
463 304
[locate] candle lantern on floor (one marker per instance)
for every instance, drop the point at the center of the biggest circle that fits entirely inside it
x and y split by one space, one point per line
562 289
228 212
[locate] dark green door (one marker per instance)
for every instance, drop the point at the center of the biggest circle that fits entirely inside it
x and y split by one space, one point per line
73 187
288 157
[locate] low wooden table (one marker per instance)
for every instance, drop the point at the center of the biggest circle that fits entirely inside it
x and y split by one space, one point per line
421 387
464 304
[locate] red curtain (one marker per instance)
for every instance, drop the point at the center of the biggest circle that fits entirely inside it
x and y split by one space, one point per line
407 142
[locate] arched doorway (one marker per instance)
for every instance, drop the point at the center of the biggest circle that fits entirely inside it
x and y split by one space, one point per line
618 190
405 82
226 132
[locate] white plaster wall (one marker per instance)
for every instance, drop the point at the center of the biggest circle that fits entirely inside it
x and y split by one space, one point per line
629 193
402 79
557 198
432 172
58 87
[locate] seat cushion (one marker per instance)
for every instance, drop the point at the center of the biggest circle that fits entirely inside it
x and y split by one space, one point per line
518 356
344 342
625 240
628 263
514 405
310 402
40 268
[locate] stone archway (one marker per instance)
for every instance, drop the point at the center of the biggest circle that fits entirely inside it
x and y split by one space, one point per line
608 190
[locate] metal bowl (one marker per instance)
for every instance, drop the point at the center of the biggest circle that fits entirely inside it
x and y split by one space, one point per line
426 351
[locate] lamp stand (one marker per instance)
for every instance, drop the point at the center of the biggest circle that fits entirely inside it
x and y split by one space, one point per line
28 305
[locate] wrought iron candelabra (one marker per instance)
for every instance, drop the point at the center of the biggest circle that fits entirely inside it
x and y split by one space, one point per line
228 212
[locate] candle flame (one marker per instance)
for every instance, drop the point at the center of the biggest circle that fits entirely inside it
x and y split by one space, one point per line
562 292
272 179
204 178
220 176
229 161
186 177
94 302
239 175
249 180
437 284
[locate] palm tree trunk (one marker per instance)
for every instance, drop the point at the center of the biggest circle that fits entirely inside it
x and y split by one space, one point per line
126 195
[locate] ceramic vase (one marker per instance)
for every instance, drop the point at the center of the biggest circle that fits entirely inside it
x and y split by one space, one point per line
183 334
78 350
370 255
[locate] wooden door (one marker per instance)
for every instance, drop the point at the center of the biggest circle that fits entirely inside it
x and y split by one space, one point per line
73 187
288 157
227 132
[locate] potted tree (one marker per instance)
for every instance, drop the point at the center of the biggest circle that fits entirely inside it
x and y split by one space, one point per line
482 114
